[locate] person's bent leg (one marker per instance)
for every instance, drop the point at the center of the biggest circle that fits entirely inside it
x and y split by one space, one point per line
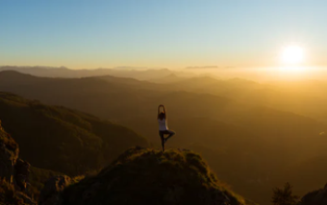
171 133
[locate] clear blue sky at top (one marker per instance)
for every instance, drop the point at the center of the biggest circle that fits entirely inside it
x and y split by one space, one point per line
178 32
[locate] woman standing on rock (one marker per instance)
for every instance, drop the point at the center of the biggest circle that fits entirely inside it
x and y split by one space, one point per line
163 128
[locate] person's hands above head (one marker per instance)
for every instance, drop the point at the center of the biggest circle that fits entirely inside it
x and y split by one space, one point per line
163 107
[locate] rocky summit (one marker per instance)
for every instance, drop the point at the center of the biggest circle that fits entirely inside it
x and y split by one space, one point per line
144 176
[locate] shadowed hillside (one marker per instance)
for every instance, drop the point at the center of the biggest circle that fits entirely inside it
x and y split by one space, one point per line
10 193
310 172
316 197
146 176
63 140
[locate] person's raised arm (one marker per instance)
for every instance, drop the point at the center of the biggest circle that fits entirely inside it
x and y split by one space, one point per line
159 109
164 110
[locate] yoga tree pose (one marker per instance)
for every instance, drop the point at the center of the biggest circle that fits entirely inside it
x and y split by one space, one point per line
163 128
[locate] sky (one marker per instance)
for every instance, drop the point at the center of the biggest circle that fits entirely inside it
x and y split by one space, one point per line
160 33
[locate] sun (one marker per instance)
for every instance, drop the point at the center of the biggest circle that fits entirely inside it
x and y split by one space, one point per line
292 55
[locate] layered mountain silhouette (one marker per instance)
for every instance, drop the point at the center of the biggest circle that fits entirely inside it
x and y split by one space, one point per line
288 96
249 145
63 72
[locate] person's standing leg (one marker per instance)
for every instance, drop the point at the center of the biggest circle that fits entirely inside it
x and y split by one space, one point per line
162 140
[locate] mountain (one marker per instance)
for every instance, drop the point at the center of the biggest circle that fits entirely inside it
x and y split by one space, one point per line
301 97
109 99
61 139
256 142
146 176
172 78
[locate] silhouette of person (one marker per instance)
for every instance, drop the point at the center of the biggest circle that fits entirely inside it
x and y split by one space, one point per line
163 128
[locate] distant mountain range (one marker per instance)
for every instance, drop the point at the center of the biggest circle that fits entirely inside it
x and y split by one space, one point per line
63 72
301 97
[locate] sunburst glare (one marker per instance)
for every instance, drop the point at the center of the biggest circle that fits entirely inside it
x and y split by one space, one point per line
292 54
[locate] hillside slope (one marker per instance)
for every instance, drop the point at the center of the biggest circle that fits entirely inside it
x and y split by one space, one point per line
61 139
316 197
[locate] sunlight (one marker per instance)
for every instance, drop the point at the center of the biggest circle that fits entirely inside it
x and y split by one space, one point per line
291 57
292 54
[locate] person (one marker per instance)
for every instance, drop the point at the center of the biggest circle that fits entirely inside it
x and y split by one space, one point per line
163 128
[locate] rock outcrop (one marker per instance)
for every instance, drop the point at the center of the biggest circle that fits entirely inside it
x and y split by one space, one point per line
8 155
10 196
144 176
12 179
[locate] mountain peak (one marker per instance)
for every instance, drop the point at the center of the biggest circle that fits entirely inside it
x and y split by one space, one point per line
148 176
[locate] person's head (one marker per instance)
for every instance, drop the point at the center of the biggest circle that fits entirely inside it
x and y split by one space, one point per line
162 115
